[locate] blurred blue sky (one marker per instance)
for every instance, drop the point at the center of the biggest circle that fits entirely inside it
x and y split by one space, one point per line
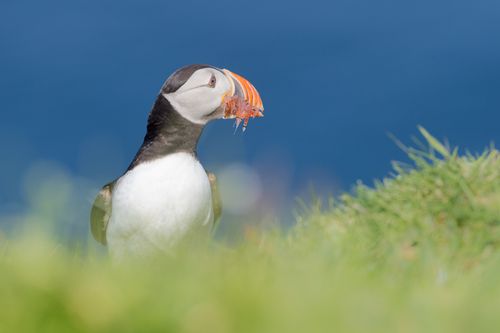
78 78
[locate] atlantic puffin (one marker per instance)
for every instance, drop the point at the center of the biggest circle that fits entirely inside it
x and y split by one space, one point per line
166 196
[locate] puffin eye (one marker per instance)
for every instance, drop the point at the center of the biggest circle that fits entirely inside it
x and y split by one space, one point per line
212 81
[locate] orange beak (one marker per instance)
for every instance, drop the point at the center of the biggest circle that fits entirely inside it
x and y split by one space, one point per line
242 88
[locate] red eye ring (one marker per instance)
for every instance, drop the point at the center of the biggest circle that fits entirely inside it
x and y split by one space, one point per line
212 81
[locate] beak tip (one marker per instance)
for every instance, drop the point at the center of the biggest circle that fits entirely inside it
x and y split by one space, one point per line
243 100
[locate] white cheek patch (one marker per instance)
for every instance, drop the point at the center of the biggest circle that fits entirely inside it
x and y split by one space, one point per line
195 100
194 104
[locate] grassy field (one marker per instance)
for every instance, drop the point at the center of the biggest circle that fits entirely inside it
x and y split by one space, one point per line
419 252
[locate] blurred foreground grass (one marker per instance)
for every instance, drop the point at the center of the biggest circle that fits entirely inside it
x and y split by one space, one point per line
417 253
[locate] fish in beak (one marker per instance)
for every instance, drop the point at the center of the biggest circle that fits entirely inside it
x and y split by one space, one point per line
242 101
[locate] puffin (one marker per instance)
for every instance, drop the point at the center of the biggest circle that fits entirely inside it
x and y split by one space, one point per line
165 196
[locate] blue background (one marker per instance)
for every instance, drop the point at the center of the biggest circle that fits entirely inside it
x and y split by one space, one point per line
78 78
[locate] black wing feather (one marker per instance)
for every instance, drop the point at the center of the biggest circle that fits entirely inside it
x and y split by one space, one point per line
101 212
216 200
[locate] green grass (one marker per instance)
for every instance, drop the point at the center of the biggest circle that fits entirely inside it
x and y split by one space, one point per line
419 252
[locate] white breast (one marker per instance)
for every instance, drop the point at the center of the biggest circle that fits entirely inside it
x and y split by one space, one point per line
159 203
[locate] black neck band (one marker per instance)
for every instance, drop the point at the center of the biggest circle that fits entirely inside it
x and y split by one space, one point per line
167 132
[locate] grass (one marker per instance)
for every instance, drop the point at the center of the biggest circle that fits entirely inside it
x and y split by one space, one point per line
416 253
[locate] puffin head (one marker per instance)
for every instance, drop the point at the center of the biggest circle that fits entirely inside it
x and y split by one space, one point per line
201 93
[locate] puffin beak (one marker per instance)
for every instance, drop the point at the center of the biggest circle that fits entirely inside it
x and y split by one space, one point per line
242 101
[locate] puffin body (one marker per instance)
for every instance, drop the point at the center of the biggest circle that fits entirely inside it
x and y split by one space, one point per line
158 203
166 196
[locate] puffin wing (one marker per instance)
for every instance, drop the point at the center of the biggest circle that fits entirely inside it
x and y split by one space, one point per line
101 212
216 200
